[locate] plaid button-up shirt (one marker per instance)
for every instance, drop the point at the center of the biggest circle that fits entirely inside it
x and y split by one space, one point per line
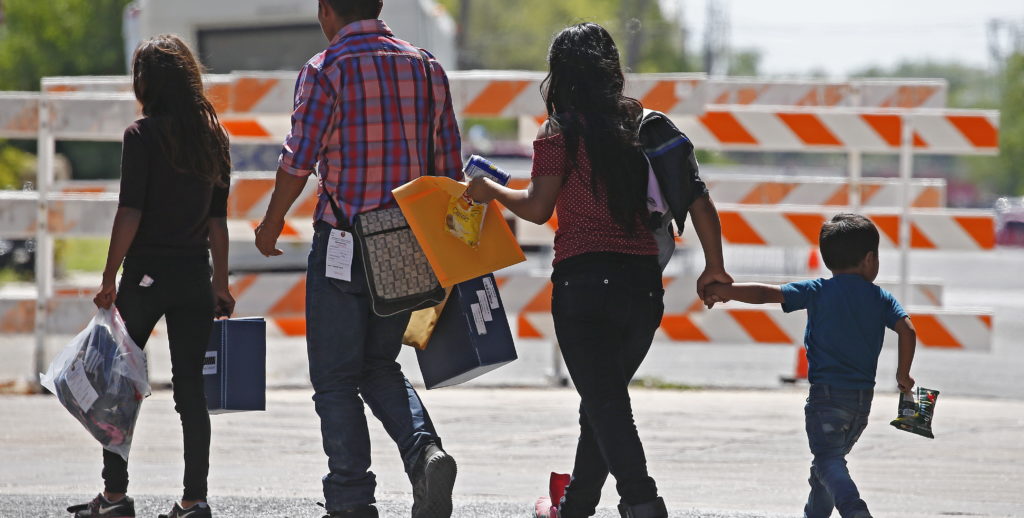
361 120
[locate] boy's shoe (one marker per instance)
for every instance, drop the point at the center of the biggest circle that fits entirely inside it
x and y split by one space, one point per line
100 507
547 506
362 512
432 484
366 511
200 510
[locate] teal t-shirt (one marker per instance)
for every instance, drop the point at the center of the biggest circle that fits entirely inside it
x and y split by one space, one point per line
846 321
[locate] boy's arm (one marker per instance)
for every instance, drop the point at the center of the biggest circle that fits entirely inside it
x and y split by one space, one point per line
907 345
751 293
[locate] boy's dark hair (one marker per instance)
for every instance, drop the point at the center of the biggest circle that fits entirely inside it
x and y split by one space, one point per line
357 9
846 240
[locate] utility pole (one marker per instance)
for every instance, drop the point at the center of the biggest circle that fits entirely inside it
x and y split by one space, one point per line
462 36
632 15
716 39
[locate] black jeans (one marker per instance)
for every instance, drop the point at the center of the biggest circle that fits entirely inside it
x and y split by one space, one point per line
606 308
182 293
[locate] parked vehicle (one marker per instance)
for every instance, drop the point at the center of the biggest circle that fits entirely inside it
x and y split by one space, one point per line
1010 221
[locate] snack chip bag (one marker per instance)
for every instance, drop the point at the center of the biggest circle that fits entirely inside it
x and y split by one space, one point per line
465 219
915 416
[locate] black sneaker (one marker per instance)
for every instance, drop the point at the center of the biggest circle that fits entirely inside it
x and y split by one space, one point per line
200 510
366 511
432 485
102 508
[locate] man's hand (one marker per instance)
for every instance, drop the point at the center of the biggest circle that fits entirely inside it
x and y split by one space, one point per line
266 237
711 276
107 294
904 381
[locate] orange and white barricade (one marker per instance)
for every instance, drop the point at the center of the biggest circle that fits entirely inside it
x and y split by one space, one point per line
19 115
822 191
931 229
742 324
772 128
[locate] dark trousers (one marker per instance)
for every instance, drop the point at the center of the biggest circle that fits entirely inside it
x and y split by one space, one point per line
606 308
835 419
352 362
182 293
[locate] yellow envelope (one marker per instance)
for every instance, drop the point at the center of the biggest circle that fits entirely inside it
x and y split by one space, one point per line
424 202
422 323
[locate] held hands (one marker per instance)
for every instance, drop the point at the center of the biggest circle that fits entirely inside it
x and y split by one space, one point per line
714 294
266 238
709 278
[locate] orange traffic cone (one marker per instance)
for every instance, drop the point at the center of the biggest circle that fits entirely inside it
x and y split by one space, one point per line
813 261
800 372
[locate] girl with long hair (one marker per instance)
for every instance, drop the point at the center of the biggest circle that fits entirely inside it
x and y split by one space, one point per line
175 171
607 294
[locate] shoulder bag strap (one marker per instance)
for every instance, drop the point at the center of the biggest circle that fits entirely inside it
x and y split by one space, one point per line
428 69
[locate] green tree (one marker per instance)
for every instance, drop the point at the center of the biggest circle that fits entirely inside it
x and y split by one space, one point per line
516 35
745 62
969 86
59 37
1004 175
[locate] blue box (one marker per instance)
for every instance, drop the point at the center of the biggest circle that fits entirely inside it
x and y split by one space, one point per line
472 336
235 369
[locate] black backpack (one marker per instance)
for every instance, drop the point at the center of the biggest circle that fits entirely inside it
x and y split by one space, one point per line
671 156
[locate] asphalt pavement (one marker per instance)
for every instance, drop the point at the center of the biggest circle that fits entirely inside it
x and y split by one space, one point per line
714 453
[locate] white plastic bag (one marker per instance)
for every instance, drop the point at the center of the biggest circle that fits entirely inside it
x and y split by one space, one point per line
101 378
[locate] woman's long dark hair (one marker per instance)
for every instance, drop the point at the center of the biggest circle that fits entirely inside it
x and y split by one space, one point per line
168 81
583 92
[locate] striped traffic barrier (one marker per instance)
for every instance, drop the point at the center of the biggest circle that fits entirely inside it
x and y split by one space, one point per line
742 324
931 229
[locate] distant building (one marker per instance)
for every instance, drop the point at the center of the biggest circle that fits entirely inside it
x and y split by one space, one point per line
271 35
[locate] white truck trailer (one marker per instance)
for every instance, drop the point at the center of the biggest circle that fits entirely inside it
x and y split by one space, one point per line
270 35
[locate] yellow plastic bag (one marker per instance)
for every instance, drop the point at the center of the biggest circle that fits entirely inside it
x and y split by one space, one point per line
425 202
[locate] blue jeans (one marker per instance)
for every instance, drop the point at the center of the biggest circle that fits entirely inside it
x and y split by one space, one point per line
352 354
835 418
606 308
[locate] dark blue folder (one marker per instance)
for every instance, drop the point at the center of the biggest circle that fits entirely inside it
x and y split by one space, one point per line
235 369
472 336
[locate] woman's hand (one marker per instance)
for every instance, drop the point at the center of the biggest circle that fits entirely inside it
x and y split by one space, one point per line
711 275
480 190
107 294
223 302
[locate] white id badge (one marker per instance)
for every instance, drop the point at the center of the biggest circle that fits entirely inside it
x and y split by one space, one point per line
340 249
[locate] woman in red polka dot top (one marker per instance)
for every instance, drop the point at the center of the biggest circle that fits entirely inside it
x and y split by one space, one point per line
607 297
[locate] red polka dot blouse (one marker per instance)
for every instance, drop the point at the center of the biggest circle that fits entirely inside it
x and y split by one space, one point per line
585 224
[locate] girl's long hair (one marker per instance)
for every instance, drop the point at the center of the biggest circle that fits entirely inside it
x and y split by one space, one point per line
168 82
583 92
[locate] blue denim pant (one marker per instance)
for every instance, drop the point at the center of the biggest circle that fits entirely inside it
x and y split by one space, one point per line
835 418
352 354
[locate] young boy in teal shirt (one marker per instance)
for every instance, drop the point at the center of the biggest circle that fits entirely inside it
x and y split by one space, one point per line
846 320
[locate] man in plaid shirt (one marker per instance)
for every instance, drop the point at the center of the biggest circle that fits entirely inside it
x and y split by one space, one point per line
361 121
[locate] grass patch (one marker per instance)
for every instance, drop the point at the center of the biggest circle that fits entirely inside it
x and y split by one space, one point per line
83 255
660 384
8 275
